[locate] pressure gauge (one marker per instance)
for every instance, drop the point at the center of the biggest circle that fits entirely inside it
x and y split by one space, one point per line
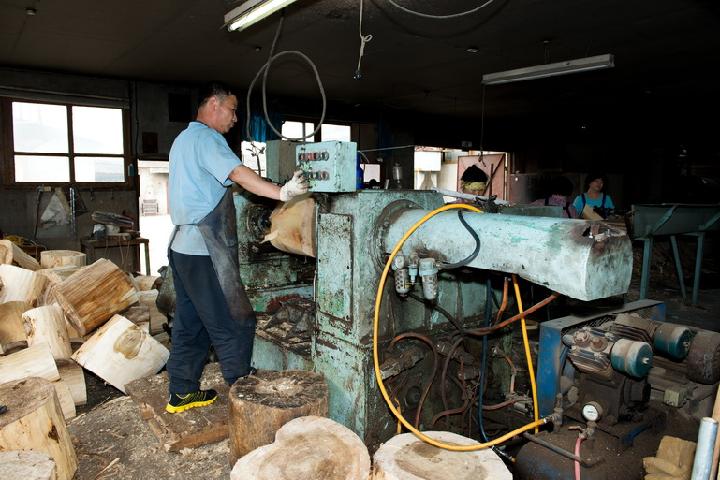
592 412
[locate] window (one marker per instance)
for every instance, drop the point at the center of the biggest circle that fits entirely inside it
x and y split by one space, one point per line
298 130
334 132
67 143
253 156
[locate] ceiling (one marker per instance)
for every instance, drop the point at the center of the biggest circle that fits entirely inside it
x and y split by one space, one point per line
665 50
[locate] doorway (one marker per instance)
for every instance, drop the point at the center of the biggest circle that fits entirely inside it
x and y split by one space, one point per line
155 223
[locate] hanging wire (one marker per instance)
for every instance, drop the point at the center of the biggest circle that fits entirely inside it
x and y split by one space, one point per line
440 17
363 40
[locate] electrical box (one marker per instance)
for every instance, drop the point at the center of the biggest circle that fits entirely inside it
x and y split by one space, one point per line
329 166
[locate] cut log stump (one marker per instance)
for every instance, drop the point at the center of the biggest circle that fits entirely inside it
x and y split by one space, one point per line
47 325
35 361
189 429
305 448
11 253
92 295
61 258
20 284
262 403
72 375
120 352
12 331
34 421
27 465
406 457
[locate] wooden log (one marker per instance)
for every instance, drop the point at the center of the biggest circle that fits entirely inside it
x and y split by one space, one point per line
120 352
35 422
12 330
61 258
67 404
11 253
144 282
406 457
47 325
92 295
148 298
292 227
262 403
35 361
305 448
72 375
54 276
27 465
20 285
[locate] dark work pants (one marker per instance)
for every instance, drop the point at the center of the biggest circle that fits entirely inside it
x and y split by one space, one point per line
202 318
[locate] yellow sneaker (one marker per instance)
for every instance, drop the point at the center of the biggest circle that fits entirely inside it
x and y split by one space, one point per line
179 403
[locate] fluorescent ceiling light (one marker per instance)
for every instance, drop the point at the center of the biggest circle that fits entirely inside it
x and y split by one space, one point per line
252 12
550 70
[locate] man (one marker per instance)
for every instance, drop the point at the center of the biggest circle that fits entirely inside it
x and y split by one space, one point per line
211 307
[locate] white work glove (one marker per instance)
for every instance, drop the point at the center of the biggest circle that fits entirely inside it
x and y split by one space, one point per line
297 185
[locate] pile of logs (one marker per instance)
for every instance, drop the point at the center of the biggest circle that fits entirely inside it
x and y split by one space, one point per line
58 316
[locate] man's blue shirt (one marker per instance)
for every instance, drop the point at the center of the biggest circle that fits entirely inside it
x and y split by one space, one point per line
200 162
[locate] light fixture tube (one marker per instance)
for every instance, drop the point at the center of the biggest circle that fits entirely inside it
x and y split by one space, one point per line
550 70
252 12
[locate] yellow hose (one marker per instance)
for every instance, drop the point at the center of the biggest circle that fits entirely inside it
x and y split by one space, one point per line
376 360
526 343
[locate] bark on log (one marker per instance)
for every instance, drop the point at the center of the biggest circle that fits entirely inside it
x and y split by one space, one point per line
305 448
27 465
72 375
120 352
92 295
12 330
61 258
262 403
20 285
34 422
406 457
9 253
47 325
35 361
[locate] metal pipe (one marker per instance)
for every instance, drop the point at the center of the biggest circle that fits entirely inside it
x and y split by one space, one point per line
468 196
704 452
561 451
580 259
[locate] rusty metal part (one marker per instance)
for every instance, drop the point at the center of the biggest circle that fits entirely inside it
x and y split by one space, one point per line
589 462
487 330
704 358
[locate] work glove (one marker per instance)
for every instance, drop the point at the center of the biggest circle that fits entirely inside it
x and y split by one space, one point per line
297 185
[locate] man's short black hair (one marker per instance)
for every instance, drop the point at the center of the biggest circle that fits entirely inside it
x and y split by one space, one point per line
473 174
212 89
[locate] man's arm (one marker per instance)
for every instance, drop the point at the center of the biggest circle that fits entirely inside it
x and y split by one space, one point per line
251 181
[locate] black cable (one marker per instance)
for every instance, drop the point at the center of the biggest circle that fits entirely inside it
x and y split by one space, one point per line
37 212
471 257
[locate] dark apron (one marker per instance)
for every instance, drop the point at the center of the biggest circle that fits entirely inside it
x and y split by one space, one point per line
219 231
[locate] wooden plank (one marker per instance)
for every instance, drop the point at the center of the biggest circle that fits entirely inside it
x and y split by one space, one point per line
190 429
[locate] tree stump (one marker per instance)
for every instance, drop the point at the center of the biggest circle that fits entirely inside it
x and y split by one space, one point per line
34 422
92 295
72 375
307 448
11 253
12 331
120 352
61 258
35 361
27 465
20 284
406 457
47 325
262 403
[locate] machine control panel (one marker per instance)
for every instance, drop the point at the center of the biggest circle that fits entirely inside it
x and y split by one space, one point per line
329 166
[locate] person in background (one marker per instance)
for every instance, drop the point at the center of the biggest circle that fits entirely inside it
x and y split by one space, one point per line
594 204
558 193
473 180
211 307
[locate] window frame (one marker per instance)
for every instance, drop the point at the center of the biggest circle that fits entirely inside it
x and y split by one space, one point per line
7 152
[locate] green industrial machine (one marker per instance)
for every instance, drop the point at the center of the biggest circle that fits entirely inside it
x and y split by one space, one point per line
317 313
